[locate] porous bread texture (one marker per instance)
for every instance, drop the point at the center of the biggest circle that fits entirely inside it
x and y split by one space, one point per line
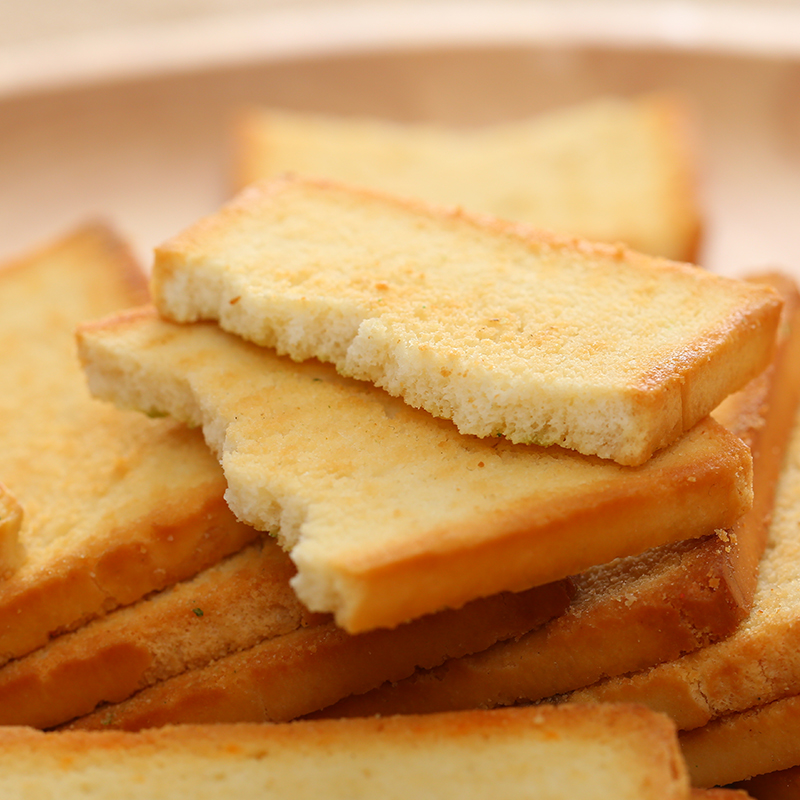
757 664
11 552
611 169
603 753
292 675
503 329
388 512
113 505
642 610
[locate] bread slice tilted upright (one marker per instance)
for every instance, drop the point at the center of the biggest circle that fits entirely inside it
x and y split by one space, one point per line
113 505
612 169
506 330
602 753
641 610
388 512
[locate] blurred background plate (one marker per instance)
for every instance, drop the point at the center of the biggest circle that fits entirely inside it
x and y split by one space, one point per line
123 110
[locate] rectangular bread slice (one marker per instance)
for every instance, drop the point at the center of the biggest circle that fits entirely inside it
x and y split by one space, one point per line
114 505
230 615
757 664
504 329
388 512
613 169
637 611
602 753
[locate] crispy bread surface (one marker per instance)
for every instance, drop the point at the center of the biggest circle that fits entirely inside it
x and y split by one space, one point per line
602 753
757 664
642 610
609 170
288 676
113 505
390 513
241 603
740 746
502 328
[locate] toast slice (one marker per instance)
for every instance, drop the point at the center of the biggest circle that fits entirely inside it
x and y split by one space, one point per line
390 513
760 662
233 615
114 505
506 330
602 753
613 169
642 610
288 676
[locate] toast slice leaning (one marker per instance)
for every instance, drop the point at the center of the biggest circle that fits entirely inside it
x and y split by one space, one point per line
760 662
612 170
504 329
603 753
390 513
642 610
114 505
217 626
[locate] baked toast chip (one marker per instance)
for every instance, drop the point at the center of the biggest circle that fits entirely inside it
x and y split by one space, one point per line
238 626
720 686
390 513
637 611
114 505
602 753
504 329
288 676
612 169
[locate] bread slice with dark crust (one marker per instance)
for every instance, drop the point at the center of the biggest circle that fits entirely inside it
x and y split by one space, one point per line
390 513
597 753
642 610
226 616
612 169
724 686
287 676
114 505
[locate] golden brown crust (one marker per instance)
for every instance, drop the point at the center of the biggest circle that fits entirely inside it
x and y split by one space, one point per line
739 746
101 525
639 611
228 607
512 538
629 754
299 672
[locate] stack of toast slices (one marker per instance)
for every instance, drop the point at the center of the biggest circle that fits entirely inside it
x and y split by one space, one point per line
394 467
